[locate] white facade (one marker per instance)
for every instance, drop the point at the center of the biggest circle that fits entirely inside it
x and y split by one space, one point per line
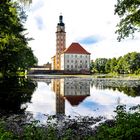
75 62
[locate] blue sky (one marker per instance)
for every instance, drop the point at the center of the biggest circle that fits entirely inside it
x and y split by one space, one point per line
92 23
89 40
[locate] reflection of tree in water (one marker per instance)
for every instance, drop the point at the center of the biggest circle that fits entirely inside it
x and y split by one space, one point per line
131 91
131 88
13 93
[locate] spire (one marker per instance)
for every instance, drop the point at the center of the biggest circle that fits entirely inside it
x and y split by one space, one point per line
61 20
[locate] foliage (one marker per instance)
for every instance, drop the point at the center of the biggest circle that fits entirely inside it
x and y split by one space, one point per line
99 65
4 134
125 126
129 13
113 64
15 54
108 66
127 64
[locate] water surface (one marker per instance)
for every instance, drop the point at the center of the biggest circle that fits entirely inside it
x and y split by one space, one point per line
82 96
66 96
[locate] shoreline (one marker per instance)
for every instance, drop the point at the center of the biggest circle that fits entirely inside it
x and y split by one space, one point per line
96 76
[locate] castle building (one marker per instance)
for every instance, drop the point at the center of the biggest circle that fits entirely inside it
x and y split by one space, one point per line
73 58
76 58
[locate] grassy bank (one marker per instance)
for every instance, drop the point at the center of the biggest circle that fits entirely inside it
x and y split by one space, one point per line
115 75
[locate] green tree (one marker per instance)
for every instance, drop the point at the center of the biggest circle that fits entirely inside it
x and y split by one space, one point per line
119 66
107 66
129 13
92 66
15 54
100 64
132 62
135 62
113 64
129 63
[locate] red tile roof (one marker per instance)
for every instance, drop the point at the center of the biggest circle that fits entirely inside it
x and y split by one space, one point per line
76 48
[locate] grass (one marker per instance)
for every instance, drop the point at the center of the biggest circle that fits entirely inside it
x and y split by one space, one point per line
117 76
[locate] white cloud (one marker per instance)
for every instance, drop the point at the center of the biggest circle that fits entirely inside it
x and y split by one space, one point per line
43 100
82 18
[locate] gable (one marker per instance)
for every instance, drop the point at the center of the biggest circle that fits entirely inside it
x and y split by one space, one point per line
76 48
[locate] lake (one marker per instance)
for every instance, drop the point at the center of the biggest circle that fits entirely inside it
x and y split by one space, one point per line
74 96
82 96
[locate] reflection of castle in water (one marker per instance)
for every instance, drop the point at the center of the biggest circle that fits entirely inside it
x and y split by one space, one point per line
75 91
60 102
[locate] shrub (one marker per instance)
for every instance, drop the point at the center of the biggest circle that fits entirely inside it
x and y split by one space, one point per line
126 125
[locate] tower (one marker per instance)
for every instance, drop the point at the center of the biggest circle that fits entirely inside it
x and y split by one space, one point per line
60 42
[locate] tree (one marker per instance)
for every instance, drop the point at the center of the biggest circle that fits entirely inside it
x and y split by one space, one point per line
113 65
107 66
15 54
92 66
119 67
100 64
129 13
131 62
